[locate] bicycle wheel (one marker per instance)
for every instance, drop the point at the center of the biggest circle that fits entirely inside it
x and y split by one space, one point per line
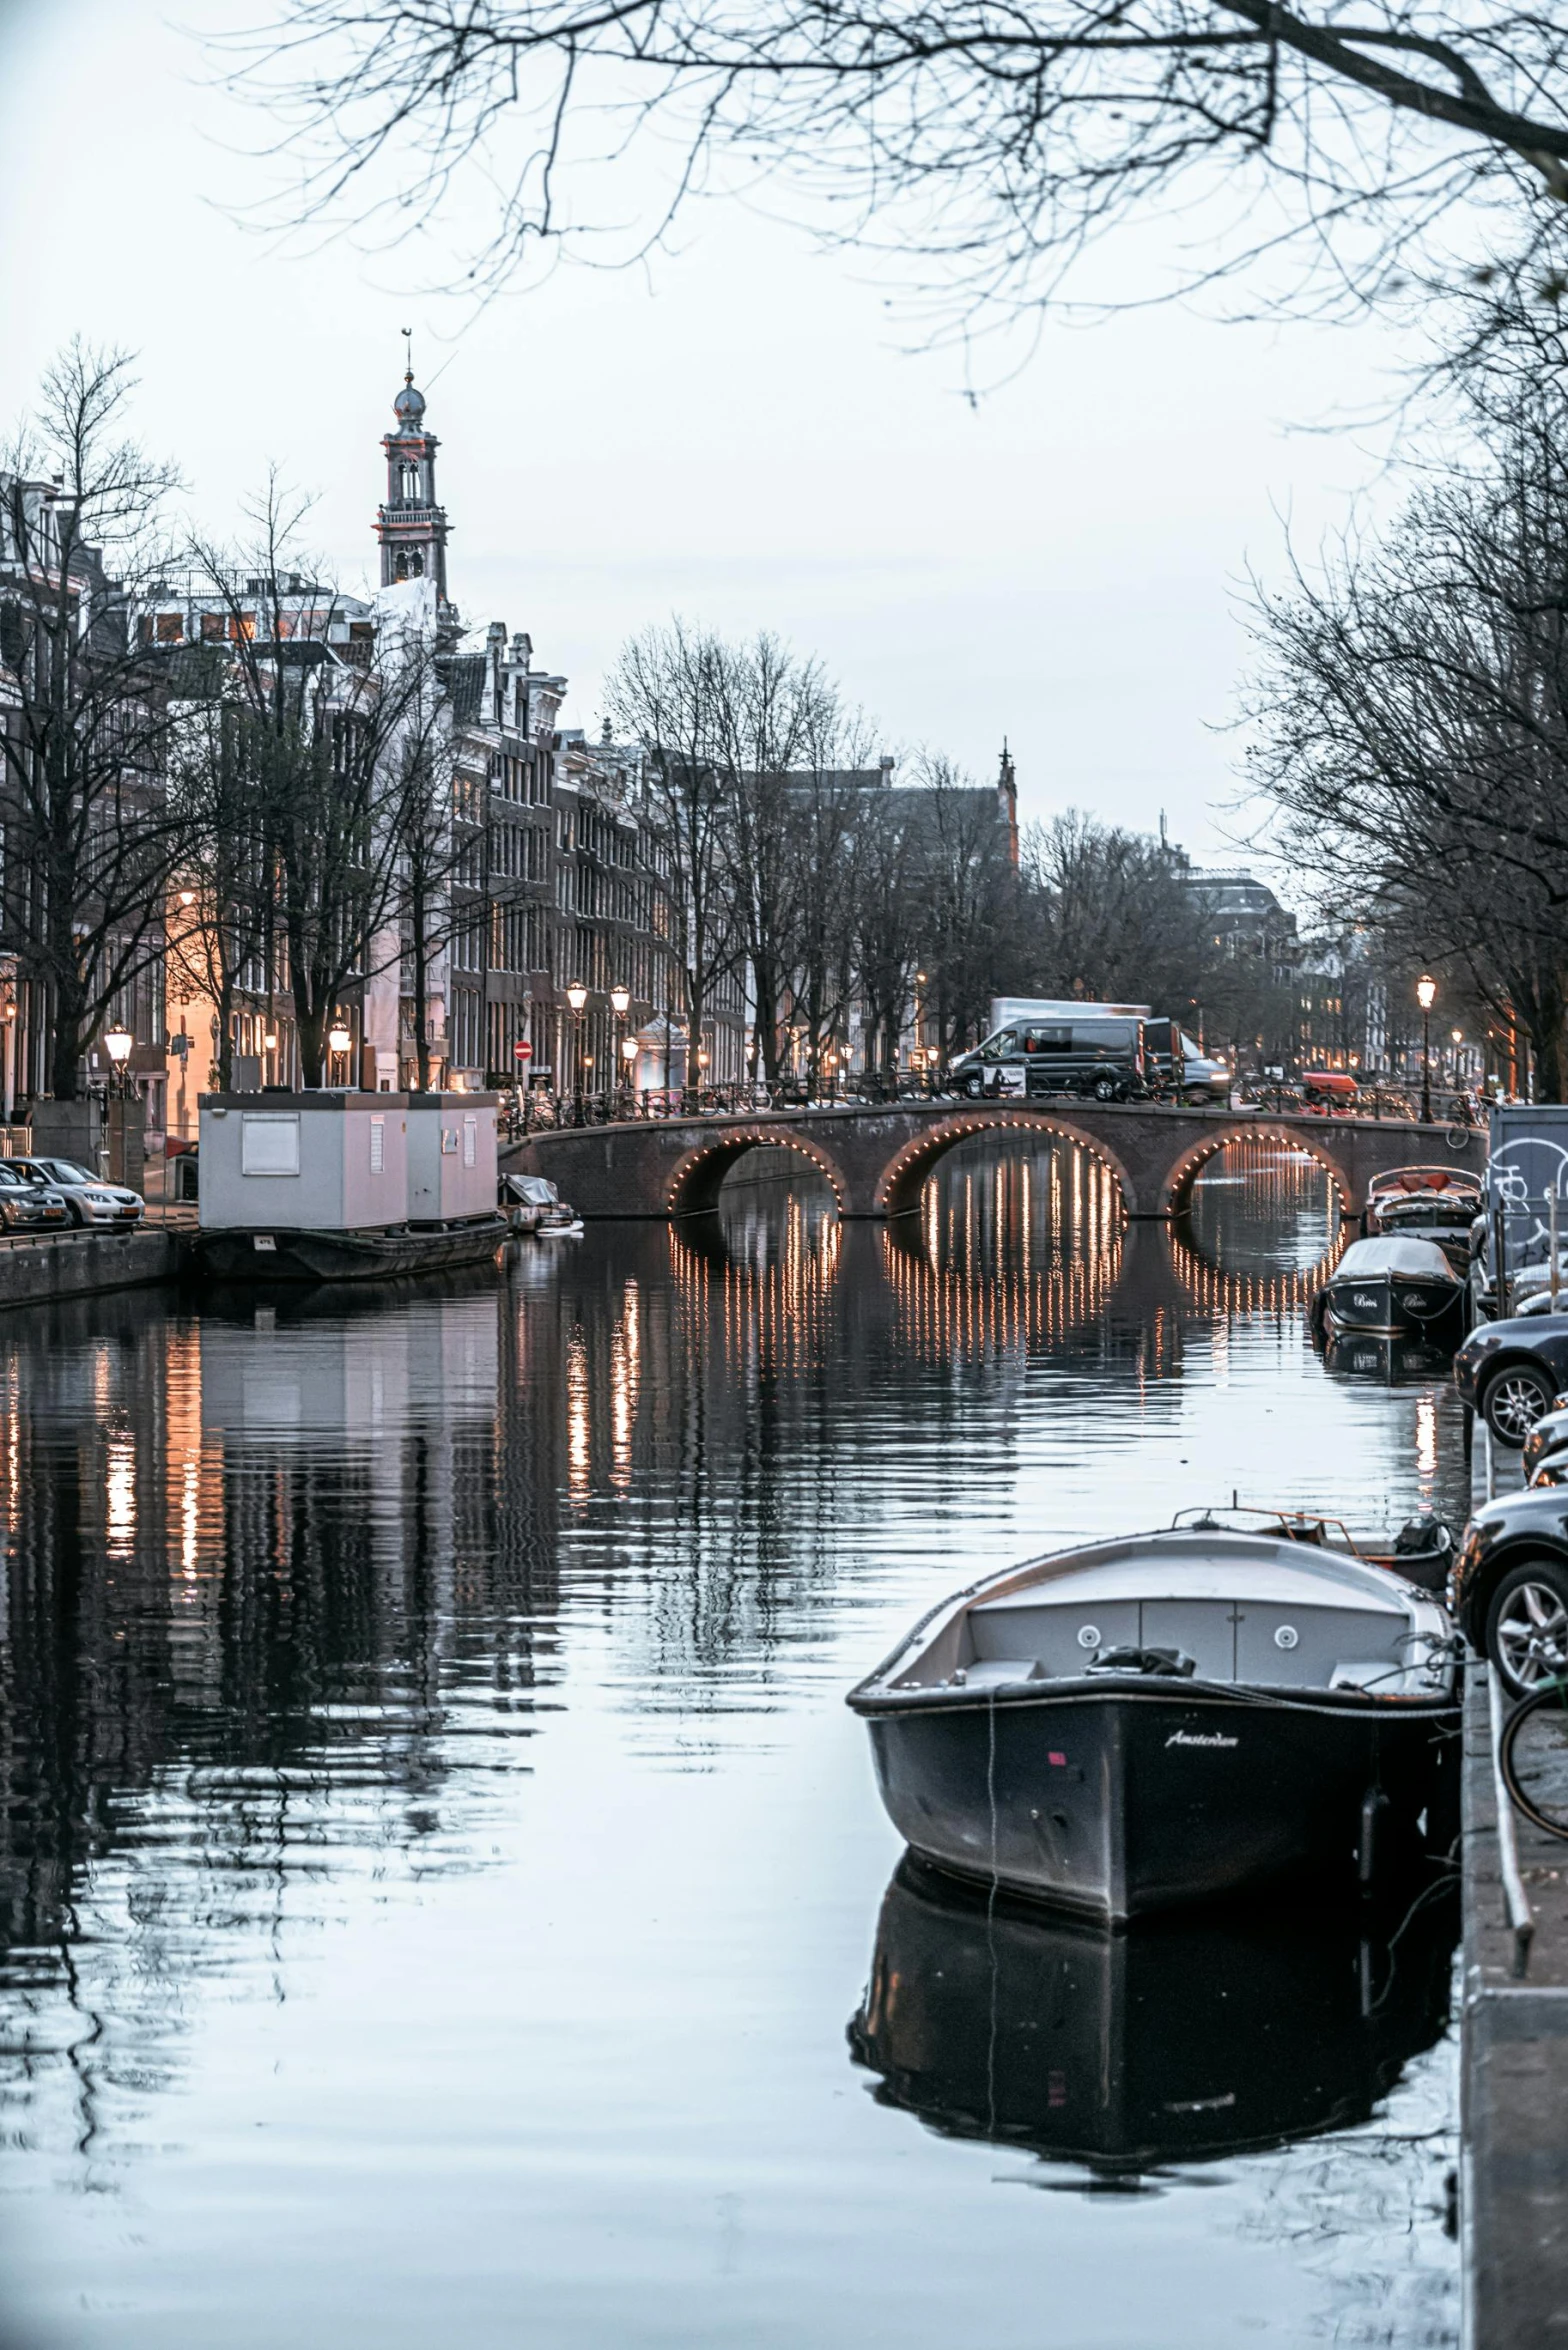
1533 1758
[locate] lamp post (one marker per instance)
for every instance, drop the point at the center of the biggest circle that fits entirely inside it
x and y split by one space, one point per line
1426 997
620 1005
577 996
8 1017
339 1041
118 1046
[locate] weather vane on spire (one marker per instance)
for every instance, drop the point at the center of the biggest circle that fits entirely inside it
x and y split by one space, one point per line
408 353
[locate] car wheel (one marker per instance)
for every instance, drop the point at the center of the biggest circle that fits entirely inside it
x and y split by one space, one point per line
1105 1089
1514 1400
78 1214
1527 1625
973 1087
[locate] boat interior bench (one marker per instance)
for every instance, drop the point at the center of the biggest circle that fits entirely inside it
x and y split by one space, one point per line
1302 1635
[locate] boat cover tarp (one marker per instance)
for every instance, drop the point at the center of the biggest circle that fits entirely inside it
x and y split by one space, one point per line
1394 1253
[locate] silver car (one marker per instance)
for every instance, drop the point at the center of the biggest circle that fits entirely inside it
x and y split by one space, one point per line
26 1205
89 1198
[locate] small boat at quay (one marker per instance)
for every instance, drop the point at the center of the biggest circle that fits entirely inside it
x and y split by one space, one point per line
1172 1716
531 1204
1425 1203
1183 2038
1395 1288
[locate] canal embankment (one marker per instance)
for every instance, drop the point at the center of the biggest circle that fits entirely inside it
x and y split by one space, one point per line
1514 2058
44 1268
1513 2199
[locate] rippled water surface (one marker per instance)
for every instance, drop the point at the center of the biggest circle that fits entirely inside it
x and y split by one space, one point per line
444 1895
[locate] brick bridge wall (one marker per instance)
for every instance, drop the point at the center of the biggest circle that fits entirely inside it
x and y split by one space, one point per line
876 1159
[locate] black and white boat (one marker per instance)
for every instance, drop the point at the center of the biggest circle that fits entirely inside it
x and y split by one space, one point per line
1169 1717
1394 1288
1182 2038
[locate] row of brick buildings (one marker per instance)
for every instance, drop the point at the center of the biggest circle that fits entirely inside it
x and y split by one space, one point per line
555 962
552 882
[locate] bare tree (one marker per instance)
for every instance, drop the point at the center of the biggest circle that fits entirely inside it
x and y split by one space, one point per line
1411 718
995 140
670 690
90 835
221 918
968 893
329 749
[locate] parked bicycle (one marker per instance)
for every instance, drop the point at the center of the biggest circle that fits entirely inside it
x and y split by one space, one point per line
1532 1756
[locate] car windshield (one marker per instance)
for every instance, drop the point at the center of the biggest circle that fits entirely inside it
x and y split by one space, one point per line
66 1171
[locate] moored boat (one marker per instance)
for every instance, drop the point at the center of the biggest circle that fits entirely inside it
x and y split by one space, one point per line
1396 1287
532 1204
1169 1717
1425 1203
329 1255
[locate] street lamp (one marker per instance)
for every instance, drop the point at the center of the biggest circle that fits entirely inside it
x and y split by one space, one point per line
1426 997
338 1041
118 1043
577 997
620 1005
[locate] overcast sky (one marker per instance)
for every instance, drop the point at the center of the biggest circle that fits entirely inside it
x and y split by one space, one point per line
739 436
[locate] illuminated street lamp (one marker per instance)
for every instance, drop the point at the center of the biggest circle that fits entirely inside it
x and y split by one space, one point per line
577 997
118 1044
620 1001
1426 997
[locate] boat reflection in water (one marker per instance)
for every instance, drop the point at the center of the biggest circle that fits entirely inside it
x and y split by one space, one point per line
1386 1359
1179 2039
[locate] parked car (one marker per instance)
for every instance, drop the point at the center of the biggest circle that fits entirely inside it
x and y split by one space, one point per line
88 1198
1550 1434
1512 1372
27 1205
1509 1586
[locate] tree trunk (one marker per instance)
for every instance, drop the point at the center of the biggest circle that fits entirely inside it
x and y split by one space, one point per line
226 1033
65 1044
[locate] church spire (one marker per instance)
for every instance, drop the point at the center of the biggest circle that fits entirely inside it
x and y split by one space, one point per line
411 526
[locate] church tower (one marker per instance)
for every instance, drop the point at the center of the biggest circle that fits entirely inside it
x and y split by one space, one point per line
412 528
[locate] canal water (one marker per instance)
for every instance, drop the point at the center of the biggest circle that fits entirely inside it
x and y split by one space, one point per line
444 1895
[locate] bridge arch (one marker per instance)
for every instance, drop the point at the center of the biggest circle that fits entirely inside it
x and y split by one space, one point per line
1191 1163
898 1187
693 1188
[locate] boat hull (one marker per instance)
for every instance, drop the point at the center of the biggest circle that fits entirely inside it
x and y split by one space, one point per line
1393 1305
1116 1802
324 1255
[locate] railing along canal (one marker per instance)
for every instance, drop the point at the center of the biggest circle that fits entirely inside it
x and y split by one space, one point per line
541 1112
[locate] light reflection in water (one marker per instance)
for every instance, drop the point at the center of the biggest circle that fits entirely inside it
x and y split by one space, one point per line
421 1725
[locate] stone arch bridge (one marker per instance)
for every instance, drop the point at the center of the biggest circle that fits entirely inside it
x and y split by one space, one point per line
875 1158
